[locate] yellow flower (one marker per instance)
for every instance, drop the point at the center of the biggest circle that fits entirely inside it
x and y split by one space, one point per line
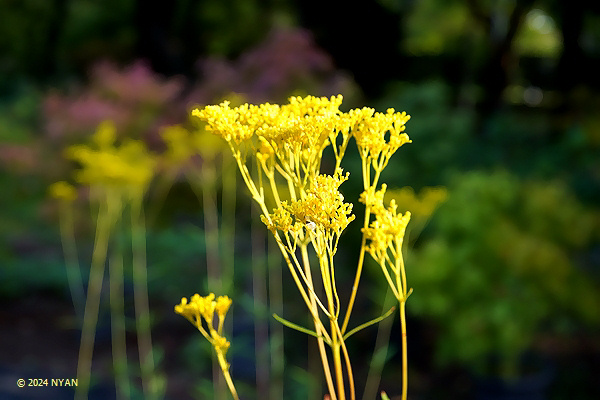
372 198
237 124
178 141
205 306
222 306
63 191
421 205
207 144
281 219
219 342
185 309
324 205
370 132
388 228
296 133
105 135
129 166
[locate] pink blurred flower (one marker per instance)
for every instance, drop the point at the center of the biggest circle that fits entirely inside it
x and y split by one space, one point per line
287 61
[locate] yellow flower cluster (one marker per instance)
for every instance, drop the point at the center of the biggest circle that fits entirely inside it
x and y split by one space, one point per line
324 205
370 133
422 205
386 232
199 308
182 144
103 163
281 219
320 214
293 136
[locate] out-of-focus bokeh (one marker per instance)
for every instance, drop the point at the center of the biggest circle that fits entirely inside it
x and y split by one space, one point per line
503 255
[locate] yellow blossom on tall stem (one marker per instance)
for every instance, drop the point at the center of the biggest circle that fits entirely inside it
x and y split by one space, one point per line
118 175
201 308
286 143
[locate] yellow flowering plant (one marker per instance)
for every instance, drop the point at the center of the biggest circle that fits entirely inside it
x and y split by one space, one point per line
118 175
284 146
200 309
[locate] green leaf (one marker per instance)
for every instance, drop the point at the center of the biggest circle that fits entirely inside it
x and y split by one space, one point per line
369 323
299 328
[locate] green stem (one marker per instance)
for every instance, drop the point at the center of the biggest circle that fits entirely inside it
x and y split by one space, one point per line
140 288
107 212
69 245
276 305
229 203
117 314
361 260
259 294
211 225
381 349
211 239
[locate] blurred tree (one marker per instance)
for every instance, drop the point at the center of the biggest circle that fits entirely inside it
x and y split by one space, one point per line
29 34
500 21
575 66
364 40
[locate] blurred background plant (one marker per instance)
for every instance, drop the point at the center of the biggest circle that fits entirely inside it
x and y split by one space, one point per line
505 269
507 84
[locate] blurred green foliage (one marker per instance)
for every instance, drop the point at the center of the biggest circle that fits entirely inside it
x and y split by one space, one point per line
501 265
442 134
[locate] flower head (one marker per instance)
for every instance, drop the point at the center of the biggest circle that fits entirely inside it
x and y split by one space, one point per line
186 309
281 219
324 205
421 205
129 166
222 306
63 191
388 228
371 131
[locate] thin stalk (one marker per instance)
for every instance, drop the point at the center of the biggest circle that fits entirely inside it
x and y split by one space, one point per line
140 293
225 368
206 192
67 233
276 305
211 226
366 171
163 186
336 337
361 260
229 203
318 326
117 316
381 347
348 363
404 349
259 293
337 364
106 213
